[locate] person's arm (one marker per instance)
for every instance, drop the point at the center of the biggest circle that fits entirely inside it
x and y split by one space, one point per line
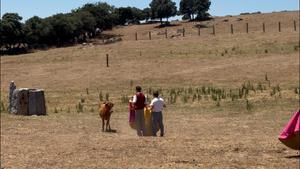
134 99
163 102
151 105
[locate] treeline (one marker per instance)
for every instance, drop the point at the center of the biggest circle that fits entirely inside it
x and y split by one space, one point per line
87 22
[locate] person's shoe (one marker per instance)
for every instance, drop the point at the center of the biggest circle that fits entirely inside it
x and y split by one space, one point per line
161 135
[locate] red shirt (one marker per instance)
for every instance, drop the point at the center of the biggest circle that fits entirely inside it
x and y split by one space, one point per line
140 101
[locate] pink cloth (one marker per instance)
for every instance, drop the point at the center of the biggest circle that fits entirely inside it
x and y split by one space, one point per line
131 113
292 127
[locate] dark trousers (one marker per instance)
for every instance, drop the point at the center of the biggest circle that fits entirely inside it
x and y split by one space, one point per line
157 120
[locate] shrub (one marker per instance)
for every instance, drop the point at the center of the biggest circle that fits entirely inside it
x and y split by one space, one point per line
100 96
199 97
297 90
107 96
214 97
260 87
184 98
2 107
55 110
131 83
82 100
124 99
79 108
266 77
173 98
218 103
249 106
266 51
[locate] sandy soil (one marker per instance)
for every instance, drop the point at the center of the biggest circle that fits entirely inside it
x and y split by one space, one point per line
198 135
194 139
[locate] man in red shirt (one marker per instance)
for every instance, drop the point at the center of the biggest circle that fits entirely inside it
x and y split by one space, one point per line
140 102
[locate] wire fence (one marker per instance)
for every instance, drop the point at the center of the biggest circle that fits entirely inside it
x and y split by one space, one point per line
222 28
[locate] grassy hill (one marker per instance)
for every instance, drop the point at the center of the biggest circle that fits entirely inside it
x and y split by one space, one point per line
250 81
224 60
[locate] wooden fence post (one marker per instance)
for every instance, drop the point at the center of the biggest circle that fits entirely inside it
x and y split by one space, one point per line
295 26
166 32
136 36
149 35
231 28
214 31
264 28
107 60
247 27
279 26
199 33
183 32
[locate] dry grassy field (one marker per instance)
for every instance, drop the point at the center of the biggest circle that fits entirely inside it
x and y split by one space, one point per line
228 97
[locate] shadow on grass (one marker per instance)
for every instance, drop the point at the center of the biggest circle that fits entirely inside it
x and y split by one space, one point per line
293 157
166 25
111 131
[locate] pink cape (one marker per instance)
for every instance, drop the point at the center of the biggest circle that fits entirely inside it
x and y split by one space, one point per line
131 117
290 135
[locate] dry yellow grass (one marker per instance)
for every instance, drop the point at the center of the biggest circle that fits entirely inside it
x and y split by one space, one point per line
199 134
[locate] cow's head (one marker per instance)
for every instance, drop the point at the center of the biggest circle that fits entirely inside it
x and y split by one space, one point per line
109 104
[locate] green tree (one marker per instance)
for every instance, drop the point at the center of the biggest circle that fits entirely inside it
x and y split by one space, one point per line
102 12
85 23
130 15
189 8
63 28
46 32
11 31
163 9
138 15
201 9
147 14
33 30
125 15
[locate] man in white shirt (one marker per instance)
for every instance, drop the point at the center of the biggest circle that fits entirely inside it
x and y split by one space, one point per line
157 104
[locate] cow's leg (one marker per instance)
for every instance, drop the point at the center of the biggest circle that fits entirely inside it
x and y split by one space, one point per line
103 124
107 125
108 122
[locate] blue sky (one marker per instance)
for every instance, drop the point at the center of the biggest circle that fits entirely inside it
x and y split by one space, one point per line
44 8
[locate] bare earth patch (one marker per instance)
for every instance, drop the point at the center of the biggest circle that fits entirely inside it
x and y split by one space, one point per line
198 134
193 140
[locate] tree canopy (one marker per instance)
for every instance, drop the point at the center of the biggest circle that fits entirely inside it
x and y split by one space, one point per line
190 8
86 21
130 15
11 30
163 9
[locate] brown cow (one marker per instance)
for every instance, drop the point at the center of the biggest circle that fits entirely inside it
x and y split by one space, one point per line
105 113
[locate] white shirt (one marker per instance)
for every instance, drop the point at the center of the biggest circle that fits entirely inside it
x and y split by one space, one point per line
158 104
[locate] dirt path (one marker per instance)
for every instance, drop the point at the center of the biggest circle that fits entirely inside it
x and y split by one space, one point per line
193 140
